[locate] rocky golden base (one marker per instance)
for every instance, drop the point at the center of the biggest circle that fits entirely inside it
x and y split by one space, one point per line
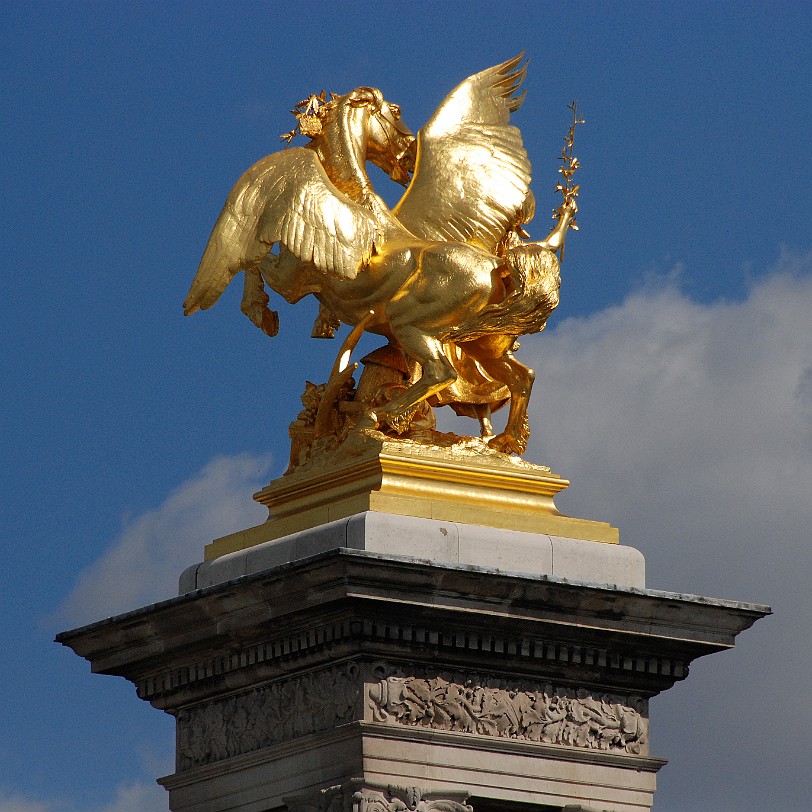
463 481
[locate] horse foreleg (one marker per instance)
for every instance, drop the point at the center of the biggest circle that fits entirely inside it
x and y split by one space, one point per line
255 303
483 413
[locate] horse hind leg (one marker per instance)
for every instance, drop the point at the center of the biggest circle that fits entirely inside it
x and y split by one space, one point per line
437 374
520 383
518 378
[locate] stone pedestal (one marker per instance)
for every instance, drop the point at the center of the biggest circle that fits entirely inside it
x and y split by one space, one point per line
412 663
466 482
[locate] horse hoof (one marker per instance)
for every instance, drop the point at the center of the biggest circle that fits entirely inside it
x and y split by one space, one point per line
270 322
506 444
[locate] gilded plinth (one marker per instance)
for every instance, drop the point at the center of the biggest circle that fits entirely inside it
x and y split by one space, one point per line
466 482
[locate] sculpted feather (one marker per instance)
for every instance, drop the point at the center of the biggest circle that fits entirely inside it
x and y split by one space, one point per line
284 198
472 173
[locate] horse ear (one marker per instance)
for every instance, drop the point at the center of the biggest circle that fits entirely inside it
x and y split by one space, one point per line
366 95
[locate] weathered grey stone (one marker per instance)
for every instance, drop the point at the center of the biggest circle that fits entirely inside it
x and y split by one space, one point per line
392 671
432 540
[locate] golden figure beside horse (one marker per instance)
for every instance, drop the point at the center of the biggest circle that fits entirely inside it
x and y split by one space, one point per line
445 276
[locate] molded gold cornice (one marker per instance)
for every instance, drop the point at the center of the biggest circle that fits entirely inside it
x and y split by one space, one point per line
466 483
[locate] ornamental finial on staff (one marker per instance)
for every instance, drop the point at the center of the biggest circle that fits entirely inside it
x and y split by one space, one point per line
568 168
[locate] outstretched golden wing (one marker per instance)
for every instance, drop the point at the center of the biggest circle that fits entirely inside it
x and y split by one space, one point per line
287 198
472 173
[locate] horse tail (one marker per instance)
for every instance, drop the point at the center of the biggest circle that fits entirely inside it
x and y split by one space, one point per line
531 274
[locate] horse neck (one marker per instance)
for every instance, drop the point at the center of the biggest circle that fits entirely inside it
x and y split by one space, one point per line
341 148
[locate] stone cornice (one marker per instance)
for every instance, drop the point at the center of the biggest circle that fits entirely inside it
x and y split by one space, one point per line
347 637
343 602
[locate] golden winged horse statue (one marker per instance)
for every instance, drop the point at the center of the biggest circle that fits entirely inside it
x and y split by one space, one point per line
445 276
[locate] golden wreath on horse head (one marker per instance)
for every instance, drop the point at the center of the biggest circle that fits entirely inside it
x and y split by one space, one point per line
448 276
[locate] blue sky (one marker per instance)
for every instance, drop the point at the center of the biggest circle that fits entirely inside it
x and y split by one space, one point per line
674 382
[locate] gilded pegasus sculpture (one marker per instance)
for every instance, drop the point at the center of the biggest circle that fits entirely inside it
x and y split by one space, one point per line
447 275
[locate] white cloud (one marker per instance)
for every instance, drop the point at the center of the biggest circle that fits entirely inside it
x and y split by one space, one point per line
142 565
139 797
136 796
675 414
689 426
16 803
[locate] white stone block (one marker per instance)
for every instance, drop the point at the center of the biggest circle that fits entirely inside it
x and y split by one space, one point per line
438 541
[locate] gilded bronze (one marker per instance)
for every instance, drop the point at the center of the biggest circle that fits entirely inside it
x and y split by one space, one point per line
465 482
448 276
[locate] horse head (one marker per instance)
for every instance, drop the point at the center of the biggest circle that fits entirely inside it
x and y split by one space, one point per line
361 126
391 145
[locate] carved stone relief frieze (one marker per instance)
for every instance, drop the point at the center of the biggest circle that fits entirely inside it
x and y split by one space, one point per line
538 713
278 712
470 703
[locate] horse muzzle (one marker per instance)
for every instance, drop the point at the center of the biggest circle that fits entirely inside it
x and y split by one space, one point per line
405 163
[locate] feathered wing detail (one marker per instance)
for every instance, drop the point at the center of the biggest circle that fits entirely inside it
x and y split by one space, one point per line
287 198
472 173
